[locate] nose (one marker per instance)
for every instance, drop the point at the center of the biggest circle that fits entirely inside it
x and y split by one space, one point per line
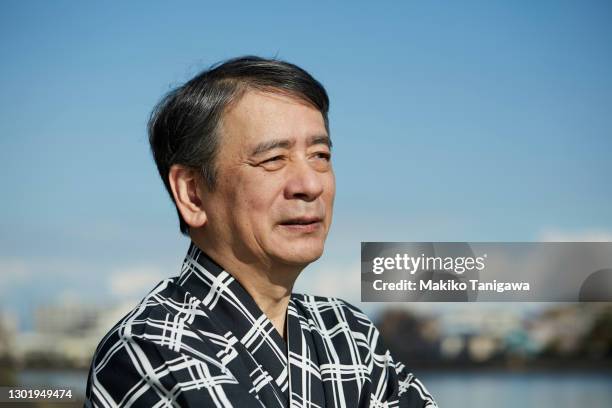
304 182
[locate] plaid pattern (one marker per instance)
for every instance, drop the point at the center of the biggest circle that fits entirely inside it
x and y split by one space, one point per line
201 340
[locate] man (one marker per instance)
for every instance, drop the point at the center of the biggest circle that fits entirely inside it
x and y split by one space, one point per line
245 153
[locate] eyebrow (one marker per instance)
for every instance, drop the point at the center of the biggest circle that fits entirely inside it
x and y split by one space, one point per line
286 144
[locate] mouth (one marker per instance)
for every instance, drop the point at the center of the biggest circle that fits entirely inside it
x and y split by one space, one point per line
302 224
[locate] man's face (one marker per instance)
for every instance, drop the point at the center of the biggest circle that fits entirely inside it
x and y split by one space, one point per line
275 188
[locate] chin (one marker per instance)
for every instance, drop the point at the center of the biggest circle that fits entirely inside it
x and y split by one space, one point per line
301 255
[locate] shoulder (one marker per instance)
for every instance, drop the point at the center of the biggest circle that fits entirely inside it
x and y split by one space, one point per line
150 349
326 304
335 309
323 302
159 327
140 320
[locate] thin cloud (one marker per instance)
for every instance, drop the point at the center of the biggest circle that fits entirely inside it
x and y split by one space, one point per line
587 235
135 280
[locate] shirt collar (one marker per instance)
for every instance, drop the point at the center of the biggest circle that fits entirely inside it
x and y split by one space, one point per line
227 302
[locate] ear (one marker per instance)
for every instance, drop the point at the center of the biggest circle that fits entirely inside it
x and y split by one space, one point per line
187 192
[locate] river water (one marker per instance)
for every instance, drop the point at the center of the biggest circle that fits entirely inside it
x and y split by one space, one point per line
511 390
473 389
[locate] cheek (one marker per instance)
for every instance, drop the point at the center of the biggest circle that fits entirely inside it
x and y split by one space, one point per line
257 197
330 188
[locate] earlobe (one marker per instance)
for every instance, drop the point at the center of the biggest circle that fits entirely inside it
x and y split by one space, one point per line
184 183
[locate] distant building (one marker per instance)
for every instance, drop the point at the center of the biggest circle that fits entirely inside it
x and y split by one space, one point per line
66 318
8 332
66 334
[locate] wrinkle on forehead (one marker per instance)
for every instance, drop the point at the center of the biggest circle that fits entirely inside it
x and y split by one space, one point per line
243 127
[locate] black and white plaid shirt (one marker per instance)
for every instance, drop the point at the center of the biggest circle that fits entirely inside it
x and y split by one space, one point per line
200 340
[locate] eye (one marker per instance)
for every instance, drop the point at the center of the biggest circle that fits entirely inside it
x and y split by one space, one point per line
323 155
272 159
273 163
321 161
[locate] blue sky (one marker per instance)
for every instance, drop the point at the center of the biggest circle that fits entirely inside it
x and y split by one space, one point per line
466 121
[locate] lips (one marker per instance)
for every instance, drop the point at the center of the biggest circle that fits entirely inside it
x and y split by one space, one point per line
301 221
302 224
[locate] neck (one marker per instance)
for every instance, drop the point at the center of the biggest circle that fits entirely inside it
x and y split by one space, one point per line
269 285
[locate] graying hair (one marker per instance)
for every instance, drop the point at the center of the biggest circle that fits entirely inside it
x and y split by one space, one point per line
184 125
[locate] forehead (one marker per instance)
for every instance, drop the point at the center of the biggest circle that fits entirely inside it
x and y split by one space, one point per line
260 116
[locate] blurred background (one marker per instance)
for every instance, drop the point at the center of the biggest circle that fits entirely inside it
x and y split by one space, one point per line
451 121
